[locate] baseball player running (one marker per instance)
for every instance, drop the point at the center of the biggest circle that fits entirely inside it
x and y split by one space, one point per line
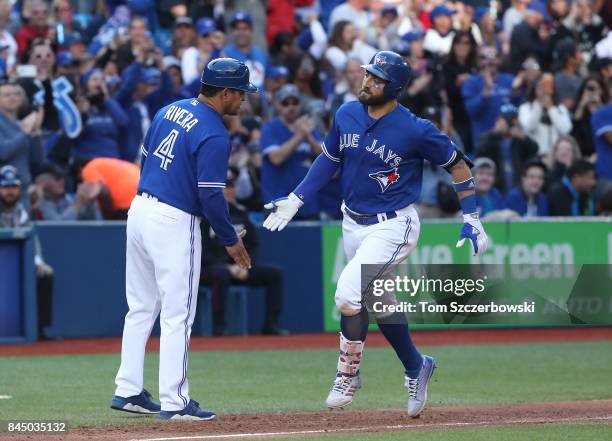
380 147
185 154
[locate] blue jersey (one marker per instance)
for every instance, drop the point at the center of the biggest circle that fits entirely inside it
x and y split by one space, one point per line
601 123
278 180
186 148
382 160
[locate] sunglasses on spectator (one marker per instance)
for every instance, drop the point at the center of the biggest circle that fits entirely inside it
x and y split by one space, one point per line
287 103
487 56
530 66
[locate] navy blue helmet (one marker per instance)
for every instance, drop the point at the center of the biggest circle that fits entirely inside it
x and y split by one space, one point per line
227 73
390 67
9 176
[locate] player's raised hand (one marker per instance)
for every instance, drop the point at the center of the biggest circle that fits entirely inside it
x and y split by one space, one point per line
283 210
239 253
472 229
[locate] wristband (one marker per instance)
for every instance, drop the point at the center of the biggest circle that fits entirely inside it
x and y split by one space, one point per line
468 204
468 184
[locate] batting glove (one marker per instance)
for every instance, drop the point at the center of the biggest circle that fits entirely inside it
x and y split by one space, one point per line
472 229
283 210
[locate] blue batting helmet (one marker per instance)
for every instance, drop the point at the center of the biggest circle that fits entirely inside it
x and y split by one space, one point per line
9 176
227 73
390 67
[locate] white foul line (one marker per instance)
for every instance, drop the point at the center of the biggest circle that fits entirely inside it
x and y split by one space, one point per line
380 428
6 397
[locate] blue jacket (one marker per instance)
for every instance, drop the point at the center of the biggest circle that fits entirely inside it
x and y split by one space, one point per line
100 137
516 201
484 110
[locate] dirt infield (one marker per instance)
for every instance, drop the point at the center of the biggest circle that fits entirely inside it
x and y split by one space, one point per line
315 341
257 426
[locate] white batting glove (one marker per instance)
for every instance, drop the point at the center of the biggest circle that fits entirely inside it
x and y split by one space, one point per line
473 230
283 210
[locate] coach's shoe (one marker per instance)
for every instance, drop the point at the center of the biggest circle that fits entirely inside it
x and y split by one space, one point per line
140 403
417 387
190 413
348 380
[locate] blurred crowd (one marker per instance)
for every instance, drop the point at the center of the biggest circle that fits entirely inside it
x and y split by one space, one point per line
523 87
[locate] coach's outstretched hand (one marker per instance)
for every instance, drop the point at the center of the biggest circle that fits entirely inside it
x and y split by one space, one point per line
283 210
472 229
239 253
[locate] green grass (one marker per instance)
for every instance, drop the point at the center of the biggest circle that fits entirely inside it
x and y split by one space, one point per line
552 432
79 388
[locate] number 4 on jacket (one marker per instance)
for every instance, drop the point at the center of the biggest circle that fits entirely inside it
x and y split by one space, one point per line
164 149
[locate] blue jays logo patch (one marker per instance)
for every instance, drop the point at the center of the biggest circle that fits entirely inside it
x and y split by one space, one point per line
385 178
380 59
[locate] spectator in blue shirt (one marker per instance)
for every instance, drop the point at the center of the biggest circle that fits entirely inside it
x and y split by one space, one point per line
601 123
242 48
488 198
103 118
143 91
528 199
485 93
289 143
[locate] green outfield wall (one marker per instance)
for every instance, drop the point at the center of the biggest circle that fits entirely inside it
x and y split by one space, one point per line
531 247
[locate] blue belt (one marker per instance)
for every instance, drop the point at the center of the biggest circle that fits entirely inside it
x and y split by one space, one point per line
369 219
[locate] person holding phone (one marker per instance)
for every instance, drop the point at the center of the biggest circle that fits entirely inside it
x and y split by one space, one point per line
589 99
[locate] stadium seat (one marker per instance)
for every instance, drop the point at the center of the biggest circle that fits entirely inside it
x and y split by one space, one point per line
236 311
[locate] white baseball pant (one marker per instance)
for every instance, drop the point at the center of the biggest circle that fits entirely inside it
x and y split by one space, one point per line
162 277
385 243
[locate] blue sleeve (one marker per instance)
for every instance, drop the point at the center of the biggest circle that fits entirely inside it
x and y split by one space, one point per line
116 112
211 159
331 145
472 96
215 209
435 146
129 81
320 173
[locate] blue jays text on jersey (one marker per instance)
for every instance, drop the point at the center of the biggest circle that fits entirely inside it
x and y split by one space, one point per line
191 154
382 159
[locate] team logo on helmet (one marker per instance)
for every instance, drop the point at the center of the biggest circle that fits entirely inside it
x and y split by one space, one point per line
380 59
385 178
